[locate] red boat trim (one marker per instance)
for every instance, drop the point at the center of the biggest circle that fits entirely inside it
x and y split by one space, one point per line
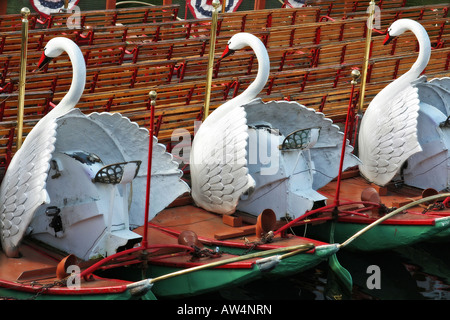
100 263
425 220
232 244
41 289
428 221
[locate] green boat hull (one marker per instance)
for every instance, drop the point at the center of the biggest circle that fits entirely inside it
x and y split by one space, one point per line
209 280
215 279
441 236
10 294
383 236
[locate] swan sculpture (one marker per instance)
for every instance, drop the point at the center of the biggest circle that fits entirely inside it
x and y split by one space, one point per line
247 154
399 131
78 182
219 175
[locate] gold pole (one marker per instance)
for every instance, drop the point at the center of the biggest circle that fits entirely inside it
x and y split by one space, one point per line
366 55
66 5
224 5
22 77
212 46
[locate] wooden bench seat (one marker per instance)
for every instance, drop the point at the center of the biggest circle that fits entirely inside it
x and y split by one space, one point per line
105 78
95 56
34 104
13 22
174 49
91 18
334 8
251 21
10 41
418 13
315 33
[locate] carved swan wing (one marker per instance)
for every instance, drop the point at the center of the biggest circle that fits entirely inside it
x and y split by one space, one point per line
23 188
388 136
218 161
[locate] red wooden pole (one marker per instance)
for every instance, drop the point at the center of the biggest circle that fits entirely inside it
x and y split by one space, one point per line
355 75
152 95
3 6
260 4
110 4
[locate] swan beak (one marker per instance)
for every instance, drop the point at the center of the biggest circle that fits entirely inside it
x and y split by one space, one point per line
43 61
227 52
388 39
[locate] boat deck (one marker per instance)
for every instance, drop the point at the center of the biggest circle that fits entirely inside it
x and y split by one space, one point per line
170 255
12 268
211 229
391 197
36 269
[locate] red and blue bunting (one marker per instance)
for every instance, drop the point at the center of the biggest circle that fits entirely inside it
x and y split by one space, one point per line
294 3
47 7
201 9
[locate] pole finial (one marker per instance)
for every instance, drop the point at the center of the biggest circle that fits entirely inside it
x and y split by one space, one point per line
25 12
356 74
152 95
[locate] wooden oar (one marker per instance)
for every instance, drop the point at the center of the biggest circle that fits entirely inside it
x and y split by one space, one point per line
146 284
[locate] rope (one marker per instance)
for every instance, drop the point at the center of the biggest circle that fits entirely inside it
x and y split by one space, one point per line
42 290
266 238
201 253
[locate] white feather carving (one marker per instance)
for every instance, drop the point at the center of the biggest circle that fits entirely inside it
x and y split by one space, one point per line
390 137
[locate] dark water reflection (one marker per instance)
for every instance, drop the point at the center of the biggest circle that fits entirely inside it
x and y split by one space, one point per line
418 272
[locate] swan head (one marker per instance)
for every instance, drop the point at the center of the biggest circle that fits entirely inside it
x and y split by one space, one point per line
52 50
396 29
236 42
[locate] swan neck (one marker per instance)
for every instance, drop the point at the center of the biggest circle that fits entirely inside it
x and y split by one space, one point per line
254 88
262 76
72 97
424 48
417 68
